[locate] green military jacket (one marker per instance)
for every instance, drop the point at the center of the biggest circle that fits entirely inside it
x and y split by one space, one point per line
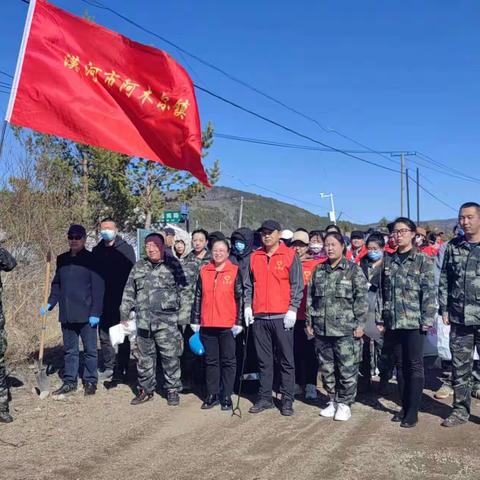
191 265
154 292
459 289
337 299
408 292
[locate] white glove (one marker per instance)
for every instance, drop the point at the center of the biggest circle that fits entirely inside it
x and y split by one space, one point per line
236 329
195 327
289 319
248 316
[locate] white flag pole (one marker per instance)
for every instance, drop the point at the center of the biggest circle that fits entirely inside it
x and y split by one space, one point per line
18 71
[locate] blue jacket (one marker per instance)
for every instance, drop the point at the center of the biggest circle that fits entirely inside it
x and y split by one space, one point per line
78 288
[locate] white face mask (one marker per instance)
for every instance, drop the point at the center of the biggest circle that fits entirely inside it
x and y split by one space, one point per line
316 247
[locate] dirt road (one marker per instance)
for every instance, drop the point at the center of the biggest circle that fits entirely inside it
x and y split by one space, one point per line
103 437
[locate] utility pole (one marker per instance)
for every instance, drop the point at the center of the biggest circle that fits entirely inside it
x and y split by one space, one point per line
408 192
402 156
332 215
418 196
240 216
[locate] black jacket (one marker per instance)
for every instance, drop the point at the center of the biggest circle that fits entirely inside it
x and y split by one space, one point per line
78 287
114 264
242 259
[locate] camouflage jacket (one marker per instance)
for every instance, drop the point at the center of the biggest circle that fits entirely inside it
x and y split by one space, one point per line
7 263
337 299
191 265
459 289
408 292
153 291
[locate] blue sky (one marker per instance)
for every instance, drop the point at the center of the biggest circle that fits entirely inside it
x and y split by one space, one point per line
395 75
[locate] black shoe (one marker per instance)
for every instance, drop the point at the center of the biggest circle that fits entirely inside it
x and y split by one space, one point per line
260 406
287 408
5 417
408 424
65 389
226 403
89 388
210 402
173 398
142 397
398 417
454 421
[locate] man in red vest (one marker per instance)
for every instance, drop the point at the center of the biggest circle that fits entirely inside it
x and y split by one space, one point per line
273 288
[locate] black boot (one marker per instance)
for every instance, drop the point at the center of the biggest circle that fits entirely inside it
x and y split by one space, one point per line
173 398
65 389
89 388
226 403
5 417
287 407
260 406
142 397
210 402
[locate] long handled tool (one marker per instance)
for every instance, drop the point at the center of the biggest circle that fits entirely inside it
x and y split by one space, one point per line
236 411
43 381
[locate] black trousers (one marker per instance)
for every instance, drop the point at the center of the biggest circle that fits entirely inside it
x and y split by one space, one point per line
407 349
306 362
270 337
108 352
220 360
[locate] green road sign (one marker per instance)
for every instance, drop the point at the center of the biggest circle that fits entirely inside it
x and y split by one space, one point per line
172 217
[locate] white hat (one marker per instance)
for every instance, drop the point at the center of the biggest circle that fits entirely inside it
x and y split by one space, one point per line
286 235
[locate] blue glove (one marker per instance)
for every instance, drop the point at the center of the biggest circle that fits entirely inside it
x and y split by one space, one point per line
43 310
93 321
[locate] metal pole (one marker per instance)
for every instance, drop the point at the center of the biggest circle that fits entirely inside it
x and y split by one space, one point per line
241 213
408 192
333 209
402 170
2 136
418 195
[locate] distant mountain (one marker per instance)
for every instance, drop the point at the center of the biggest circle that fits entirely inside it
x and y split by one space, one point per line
219 209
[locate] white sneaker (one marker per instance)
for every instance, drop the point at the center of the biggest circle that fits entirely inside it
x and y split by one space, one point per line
343 412
329 410
310 392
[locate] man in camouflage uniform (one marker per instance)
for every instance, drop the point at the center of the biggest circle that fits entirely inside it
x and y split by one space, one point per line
153 290
337 306
191 265
459 300
7 263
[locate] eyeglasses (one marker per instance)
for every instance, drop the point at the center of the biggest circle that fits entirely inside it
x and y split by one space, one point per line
75 237
402 231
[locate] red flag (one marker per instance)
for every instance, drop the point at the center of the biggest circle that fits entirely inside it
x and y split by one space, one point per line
80 81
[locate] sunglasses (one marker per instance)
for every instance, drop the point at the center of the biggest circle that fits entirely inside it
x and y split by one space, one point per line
75 237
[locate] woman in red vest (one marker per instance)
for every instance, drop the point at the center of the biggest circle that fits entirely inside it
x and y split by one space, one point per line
217 313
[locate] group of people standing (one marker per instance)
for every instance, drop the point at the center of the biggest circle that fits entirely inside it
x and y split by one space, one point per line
310 303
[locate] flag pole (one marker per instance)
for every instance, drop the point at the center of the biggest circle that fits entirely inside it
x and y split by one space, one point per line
18 71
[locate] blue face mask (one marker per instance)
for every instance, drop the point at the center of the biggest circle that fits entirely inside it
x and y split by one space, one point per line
375 255
239 246
107 235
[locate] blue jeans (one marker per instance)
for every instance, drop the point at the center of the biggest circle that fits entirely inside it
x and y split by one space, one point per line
71 334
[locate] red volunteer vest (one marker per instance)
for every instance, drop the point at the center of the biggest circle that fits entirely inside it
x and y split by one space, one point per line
219 308
271 280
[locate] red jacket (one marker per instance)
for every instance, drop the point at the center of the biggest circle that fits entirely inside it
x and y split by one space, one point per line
308 266
218 297
362 253
277 281
429 250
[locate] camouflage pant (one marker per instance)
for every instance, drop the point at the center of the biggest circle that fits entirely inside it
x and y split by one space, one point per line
168 340
339 358
3 373
463 339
